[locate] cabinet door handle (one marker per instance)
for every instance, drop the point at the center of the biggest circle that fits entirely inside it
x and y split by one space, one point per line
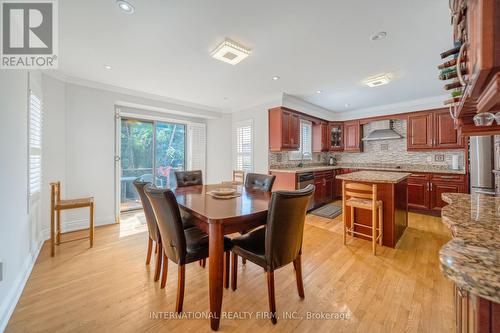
431 186
428 187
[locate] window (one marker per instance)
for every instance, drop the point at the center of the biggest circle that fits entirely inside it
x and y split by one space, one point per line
197 147
305 149
244 146
35 145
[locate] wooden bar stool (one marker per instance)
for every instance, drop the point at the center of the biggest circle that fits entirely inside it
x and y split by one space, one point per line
238 176
56 206
361 196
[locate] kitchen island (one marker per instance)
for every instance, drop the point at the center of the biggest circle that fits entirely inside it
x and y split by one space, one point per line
392 190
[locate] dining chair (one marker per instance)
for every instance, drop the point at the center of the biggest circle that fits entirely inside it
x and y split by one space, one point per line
259 182
278 243
188 178
154 234
362 196
56 206
238 176
182 246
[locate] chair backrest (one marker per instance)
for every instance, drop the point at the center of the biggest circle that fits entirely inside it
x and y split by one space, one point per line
239 176
55 193
359 191
260 182
168 218
285 225
148 210
188 178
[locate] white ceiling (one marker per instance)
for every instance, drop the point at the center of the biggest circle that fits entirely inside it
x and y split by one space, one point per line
163 49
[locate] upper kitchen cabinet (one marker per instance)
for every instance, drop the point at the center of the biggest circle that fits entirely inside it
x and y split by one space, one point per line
320 137
335 136
432 130
284 129
352 136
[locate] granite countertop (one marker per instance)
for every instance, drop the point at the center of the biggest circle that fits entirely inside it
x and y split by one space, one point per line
378 167
375 176
472 258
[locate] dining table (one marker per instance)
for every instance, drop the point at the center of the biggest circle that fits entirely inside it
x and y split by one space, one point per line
218 217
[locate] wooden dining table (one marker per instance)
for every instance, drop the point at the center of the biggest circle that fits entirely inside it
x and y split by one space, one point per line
219 217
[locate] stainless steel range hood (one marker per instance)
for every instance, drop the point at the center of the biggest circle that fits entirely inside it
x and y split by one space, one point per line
382 130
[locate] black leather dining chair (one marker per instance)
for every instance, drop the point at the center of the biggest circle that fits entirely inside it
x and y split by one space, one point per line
154 235
182 246
259 182
278 243
188 178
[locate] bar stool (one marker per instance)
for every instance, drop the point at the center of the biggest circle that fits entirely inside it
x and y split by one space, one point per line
362 196
56 205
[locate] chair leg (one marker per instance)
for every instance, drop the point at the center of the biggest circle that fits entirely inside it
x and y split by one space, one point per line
226 269
271 296
374 231
91 224
52 234
150 249
204 262
243 261
180 288
164 272
352 222
156 248
344 222
58 229
234 273
200 262
381 224
298 275
158 261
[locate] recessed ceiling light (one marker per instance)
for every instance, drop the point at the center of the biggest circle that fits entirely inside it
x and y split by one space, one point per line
379 35
125 6
231 52
318 91
108 67
276 78
378 80
347 105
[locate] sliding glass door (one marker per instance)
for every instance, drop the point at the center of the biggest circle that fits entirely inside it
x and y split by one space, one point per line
151 151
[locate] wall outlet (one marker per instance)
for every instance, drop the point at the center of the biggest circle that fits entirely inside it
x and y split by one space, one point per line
384 146
439 157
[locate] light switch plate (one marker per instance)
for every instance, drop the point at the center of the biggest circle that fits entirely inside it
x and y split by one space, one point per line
439 157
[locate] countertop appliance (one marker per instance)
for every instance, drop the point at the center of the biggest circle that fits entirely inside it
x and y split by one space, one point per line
304 179
482 157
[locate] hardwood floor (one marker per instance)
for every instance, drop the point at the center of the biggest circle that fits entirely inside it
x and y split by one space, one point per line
109 288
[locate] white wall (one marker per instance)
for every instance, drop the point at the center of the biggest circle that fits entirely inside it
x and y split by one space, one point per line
219 148
16 246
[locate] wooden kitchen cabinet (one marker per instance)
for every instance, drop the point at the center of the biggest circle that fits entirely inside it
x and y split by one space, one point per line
432 130
336 136
352 136
320 137
324 183
474 314
424 190
284 129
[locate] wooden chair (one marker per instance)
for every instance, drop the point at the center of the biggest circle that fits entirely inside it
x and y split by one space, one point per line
238 177
362 196
56 206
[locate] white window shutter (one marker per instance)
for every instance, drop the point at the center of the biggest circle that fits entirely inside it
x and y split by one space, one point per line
243 146
197 147
305 149
35 145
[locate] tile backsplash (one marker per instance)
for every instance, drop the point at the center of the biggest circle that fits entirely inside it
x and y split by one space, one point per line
380 152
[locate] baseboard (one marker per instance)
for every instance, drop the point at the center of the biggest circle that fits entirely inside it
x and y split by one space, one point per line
8 304
79 225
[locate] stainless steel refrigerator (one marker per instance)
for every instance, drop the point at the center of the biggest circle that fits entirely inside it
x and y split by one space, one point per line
482 164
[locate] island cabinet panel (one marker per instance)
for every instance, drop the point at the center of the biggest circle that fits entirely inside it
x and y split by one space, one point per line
474 314
395 203
352 136
284 129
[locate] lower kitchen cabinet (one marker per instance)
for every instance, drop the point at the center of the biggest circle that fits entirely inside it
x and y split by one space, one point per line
324 183
474 314
424 190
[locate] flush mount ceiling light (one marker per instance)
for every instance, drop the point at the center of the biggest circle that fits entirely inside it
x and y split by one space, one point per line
379 35
125 6
108 67
319 91
378 80
231 52
276 78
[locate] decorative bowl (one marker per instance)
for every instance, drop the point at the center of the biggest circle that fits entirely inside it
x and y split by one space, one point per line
224 191
484 119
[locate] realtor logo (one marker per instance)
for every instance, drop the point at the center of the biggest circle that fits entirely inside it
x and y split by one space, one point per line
29 34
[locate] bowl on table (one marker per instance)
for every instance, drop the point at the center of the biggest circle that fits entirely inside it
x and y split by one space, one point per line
224 191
